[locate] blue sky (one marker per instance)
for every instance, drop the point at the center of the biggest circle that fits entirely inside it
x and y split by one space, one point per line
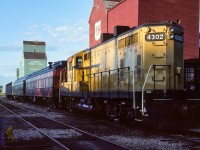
62 24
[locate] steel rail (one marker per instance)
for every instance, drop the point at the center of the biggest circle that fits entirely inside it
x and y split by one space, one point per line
69 126
185 138
60 144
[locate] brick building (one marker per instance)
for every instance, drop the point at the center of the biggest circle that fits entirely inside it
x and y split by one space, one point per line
108 13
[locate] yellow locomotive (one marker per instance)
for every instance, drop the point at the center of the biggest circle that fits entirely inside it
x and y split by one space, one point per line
136 75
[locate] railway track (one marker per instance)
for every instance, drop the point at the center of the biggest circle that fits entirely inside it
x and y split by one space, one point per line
191 139
136 138
43 124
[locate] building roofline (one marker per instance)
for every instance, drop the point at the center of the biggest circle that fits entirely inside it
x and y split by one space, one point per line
34 43
116 5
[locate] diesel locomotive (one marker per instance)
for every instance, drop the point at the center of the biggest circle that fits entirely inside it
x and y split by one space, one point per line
137 75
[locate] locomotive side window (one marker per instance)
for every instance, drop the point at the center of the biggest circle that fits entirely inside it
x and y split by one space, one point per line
79 61
134 38
121 43
51 81
127 41
86 56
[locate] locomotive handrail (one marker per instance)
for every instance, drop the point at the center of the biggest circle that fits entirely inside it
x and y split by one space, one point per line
60 82
107 71
164 44
143 89
154 83
99 74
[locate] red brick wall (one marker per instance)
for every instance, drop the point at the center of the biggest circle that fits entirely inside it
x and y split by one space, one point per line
185 10
125 13
98 14
136 12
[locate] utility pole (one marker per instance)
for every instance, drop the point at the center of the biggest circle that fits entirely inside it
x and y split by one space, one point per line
1 89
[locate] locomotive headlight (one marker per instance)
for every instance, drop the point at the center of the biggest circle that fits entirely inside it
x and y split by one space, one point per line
148 29
178 70
171 29
171 36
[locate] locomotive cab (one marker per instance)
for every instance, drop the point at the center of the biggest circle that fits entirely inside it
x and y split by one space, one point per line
162 82
162 55
76 85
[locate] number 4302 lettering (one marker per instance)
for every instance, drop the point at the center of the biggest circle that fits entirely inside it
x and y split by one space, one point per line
155 37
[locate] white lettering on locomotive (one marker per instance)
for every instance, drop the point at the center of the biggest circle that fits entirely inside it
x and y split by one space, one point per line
155 37
178 38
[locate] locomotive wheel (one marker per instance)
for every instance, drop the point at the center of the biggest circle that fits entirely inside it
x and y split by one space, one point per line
71 105
123 117
112 114
71 110
49 102
63 104
34 100
55 102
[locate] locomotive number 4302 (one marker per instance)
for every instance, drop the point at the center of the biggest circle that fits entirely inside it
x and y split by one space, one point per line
155 36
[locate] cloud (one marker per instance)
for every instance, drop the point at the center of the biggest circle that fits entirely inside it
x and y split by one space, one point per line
35 26
61 29
51 47
62 41
59 35
28 33
6 48
8 70
5 80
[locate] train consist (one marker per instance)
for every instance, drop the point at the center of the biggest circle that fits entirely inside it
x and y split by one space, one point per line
41 86
137 75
